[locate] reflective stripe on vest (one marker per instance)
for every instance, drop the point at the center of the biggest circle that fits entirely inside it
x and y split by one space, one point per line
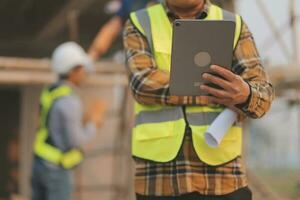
157 127
42 149
159 130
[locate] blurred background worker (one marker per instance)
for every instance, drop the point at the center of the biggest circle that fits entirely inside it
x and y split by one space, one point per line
62 127
109 31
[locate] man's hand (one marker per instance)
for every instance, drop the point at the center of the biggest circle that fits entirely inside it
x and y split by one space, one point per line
96 112
235 89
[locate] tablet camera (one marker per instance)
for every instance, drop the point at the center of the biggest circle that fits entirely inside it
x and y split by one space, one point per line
177 24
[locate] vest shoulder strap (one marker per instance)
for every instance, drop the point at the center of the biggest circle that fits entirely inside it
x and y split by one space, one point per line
48 97
141 21
229 16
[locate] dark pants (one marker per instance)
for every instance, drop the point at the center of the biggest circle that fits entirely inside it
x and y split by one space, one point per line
241 194
50 184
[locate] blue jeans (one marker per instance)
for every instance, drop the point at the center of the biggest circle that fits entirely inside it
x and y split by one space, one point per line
50 184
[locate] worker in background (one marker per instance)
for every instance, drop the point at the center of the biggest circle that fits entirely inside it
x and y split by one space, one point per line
110 31
63 128
172 159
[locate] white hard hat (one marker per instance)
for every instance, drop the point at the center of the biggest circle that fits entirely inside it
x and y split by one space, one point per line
69 55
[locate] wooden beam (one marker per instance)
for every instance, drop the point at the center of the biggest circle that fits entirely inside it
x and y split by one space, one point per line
10 63
37 71
31 71
25 77
29 77
284 78
277 33
60 20
280 74
28 125
294 27
13 63
73 26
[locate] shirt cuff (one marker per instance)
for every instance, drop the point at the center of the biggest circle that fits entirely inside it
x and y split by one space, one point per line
245 106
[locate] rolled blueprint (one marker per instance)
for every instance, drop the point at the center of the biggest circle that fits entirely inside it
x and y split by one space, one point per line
217 130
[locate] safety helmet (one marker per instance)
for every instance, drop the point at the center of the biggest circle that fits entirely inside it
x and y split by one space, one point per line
69 55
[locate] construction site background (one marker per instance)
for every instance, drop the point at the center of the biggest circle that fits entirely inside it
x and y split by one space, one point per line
31 29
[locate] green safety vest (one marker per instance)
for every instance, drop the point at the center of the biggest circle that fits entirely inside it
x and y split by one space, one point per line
159 130
42 148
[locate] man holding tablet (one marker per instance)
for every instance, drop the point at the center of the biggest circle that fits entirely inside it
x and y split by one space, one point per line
171 156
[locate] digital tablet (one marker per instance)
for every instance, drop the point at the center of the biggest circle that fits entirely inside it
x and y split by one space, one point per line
196 45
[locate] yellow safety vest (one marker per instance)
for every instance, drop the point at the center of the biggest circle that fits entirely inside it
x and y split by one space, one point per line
42 148
159 130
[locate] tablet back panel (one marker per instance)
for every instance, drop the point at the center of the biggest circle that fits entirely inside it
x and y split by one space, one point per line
196 45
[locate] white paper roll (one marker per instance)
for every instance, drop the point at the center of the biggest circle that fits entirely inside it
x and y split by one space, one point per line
217 130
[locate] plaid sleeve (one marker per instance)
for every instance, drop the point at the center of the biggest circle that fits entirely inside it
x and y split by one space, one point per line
247 63
149 84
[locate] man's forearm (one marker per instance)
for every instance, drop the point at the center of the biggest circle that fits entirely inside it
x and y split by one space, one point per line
247 64
151 91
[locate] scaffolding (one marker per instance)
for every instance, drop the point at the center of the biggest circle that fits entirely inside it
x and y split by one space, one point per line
36 72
